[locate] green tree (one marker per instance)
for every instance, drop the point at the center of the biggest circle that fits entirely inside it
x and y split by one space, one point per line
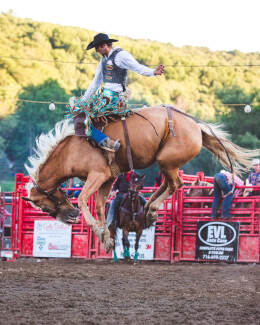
243 127
31 120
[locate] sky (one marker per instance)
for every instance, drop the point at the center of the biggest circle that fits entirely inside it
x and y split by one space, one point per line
217 24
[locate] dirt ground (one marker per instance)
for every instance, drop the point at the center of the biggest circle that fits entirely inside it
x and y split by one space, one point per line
69 291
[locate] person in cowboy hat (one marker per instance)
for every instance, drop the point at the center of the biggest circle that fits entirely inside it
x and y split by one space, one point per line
112 71
254 177
223 183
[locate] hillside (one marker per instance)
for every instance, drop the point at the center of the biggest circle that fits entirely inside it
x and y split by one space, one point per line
33 53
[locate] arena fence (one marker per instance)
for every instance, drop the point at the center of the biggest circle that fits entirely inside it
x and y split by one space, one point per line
176 230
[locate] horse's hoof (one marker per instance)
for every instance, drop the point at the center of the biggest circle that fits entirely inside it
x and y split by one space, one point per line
108 244
115 259
136 257
100 234
126 253
150 219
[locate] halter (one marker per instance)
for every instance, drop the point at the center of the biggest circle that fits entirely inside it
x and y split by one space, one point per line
49 194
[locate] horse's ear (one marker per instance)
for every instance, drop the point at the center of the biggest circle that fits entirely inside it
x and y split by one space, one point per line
26 199
197 182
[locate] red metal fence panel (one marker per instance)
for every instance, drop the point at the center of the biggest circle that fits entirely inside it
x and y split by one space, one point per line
245 210
175 229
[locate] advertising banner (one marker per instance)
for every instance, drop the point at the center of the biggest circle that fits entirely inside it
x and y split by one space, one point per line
217 240
146 244
51 239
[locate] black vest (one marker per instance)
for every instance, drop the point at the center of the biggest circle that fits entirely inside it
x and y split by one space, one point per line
111 72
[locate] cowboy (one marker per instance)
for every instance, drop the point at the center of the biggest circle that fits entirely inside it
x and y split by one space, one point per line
254 176
112 71
120 187
223 182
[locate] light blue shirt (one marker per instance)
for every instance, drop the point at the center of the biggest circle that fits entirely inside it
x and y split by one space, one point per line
123 60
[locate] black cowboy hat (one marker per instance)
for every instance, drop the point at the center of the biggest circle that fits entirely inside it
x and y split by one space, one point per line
100 39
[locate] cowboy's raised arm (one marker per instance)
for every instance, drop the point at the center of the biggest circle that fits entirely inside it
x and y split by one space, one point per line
126 61
95 83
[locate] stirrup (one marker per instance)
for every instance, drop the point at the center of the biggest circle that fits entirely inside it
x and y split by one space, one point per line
110 145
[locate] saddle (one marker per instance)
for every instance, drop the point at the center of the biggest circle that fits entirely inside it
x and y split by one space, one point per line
98 122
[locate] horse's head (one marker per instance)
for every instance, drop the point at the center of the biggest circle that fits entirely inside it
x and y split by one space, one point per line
136 182
53 202
194 192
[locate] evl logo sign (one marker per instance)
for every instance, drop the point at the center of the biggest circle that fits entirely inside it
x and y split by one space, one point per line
217 234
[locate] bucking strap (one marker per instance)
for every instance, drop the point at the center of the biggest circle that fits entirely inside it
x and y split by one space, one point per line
170 124
128 147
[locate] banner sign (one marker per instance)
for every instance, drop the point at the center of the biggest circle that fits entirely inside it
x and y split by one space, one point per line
51 239
146 244
217 240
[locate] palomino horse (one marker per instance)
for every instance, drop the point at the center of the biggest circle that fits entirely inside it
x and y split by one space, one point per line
131 216
61 155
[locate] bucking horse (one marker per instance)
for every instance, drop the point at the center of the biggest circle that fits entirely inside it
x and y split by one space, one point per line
61 155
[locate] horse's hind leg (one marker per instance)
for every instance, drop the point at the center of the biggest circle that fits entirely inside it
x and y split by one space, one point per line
174 182
155 195
126 244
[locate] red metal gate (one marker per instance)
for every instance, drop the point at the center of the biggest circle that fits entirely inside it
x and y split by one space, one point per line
175 230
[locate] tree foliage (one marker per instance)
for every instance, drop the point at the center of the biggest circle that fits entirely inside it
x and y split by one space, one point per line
45 62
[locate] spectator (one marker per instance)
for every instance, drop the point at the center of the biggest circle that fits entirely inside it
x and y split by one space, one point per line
223 182
120 187
75 184
254 177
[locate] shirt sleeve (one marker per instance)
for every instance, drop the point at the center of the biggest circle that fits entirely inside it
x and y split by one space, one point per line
125 60
95 83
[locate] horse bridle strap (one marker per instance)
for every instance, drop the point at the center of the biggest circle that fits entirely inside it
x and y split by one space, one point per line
48 194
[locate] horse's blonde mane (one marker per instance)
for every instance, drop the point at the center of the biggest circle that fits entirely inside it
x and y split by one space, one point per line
46 143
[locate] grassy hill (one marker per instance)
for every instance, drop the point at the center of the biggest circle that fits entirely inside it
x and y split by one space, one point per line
31 53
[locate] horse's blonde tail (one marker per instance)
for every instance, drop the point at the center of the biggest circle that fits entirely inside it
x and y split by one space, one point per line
241 158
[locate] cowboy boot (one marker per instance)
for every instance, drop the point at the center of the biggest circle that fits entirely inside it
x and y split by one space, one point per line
110 145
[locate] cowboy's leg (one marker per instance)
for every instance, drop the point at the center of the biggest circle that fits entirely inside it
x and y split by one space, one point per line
97 135
217 196
112 208
104 100
142 198
226 188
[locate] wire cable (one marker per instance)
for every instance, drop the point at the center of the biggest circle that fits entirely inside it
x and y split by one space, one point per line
249 65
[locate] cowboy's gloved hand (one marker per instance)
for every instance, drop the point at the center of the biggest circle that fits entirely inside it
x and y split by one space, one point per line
159 70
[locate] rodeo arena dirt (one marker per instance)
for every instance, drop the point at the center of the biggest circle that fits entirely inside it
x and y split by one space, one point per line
191 270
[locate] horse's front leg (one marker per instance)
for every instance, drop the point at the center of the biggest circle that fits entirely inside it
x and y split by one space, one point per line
100 209
93 183
126 244
138 235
